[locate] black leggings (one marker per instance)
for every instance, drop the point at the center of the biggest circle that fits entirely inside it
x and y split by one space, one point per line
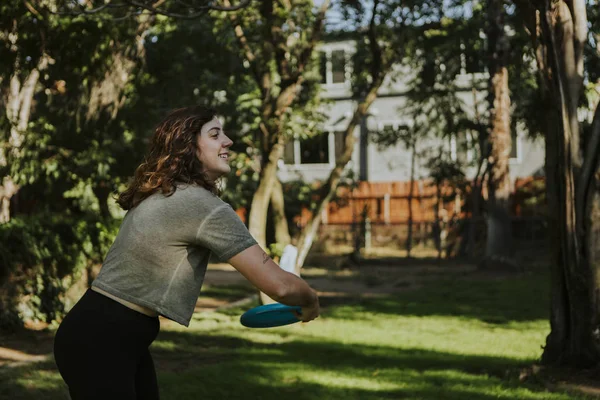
101 350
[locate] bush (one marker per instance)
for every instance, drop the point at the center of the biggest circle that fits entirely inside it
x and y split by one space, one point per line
41 257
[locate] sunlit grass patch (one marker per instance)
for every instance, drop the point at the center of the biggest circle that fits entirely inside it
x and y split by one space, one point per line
454 339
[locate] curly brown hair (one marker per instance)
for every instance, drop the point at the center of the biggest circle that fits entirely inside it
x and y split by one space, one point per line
172 157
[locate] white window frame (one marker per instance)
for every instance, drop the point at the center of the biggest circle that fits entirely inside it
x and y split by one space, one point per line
519 145
331 152
454 148
349 49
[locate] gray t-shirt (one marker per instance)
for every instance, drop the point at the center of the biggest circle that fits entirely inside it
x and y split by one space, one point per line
161 252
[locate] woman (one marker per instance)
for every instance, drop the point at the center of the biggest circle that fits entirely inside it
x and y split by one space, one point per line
157 263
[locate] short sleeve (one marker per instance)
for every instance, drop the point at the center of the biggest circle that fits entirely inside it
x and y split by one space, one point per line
224 233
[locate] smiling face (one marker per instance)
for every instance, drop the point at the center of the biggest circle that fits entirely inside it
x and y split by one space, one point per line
213 149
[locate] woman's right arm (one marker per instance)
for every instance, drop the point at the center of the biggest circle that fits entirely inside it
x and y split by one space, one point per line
286 288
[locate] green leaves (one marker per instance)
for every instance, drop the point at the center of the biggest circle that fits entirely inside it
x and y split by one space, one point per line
39 257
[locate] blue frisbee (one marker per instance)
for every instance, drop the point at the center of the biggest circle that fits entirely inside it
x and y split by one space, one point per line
270 315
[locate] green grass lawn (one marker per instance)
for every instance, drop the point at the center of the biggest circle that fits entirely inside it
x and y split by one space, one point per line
452 339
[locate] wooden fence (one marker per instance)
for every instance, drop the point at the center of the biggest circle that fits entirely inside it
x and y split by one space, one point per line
388 203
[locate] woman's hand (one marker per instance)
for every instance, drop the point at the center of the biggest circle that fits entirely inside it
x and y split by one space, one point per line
311 311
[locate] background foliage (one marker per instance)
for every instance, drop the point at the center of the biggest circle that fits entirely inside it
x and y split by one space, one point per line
110 80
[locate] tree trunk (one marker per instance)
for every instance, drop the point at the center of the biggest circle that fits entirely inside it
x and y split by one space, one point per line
498 251
572 191
276 97
437 223
559 296
477 182
379 66
475 210
279 90
422 240
260 201
282 232
18 111
309 232
411 195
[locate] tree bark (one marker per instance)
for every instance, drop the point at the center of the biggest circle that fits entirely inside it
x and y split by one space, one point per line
411 195
437 222
18 112
499 249
559 296
572 189
282 232
260 201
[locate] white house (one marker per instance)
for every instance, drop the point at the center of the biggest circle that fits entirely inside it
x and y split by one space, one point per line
314 159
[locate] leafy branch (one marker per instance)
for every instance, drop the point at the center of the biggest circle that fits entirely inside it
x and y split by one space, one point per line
190 9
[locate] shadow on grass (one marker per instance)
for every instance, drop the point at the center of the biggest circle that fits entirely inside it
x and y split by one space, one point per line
330 355
216 366
193 365
32 381
327 370
523 297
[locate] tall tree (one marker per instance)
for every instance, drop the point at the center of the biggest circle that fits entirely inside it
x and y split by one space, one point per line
446 80
559 32
277 42
498 249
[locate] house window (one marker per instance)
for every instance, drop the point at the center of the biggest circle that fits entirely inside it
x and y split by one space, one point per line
323 66
460 148
315 150
321 149
516 131
338 66
333 65
288 153
514 144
